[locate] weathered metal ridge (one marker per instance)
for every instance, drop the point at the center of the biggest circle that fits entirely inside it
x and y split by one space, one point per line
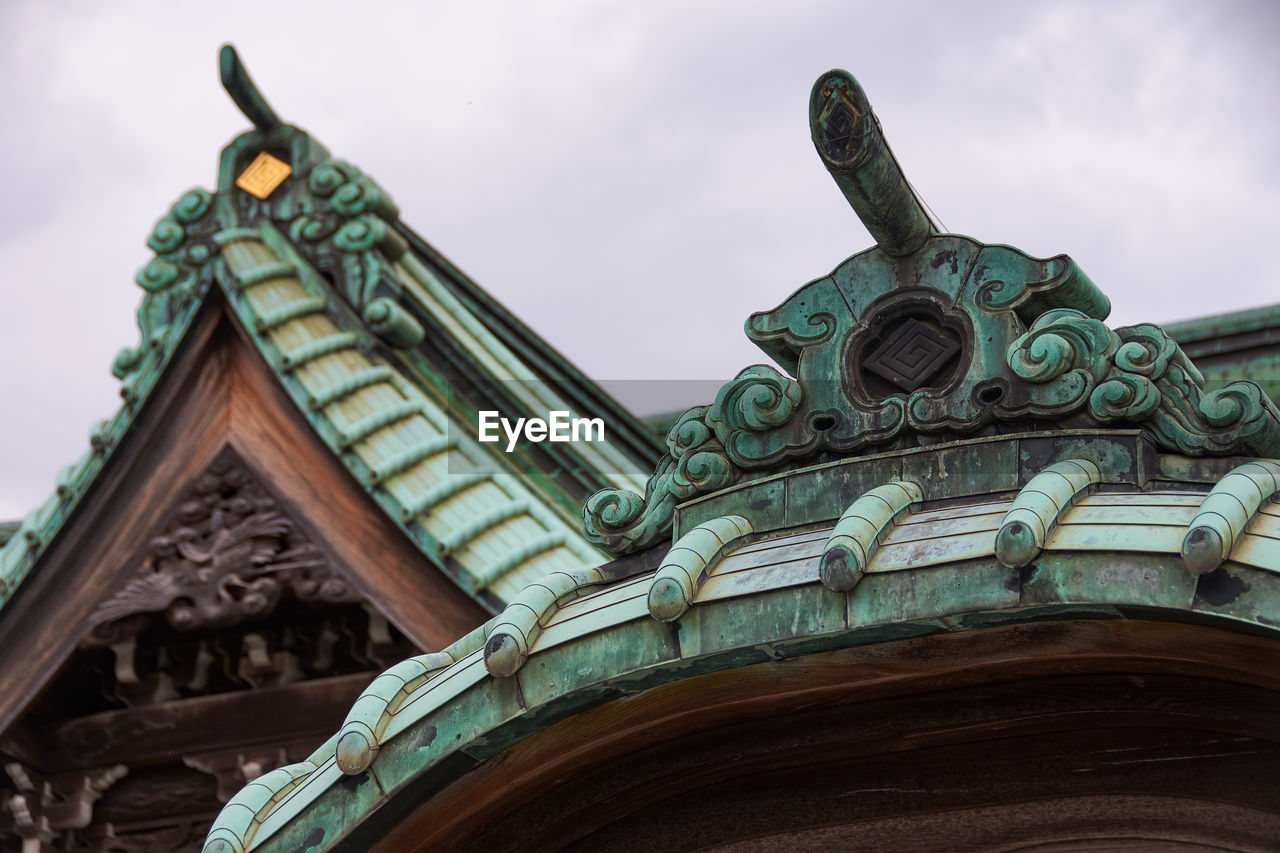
1238 345
370 331
927 337
755 591
965 447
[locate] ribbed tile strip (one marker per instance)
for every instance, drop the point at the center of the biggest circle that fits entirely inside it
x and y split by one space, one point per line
266 272
406 459
349 385
312 350
227 236
479 525
535 546
452 485
277 317
366 427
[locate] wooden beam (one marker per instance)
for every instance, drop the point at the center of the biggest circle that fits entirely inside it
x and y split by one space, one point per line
179 431
154 734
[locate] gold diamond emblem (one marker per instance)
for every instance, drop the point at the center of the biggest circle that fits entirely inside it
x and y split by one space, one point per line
264 174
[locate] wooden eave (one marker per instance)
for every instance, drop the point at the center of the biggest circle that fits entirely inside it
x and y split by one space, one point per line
215 392
920 739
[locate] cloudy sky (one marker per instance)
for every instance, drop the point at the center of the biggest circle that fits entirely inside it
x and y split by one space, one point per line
631 178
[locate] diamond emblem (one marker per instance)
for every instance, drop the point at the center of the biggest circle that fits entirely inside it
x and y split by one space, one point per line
915 353
263 175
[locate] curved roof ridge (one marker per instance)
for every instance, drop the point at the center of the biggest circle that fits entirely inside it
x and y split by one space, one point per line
1113 551
175 282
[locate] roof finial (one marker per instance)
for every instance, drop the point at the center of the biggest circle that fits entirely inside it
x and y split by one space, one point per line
244 92
851 145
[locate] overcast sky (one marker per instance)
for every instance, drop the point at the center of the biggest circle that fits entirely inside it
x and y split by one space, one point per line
633 178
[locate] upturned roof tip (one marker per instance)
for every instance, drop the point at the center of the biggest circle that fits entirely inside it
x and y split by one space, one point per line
244 92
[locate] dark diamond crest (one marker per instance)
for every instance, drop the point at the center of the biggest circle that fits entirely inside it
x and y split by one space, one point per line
912 355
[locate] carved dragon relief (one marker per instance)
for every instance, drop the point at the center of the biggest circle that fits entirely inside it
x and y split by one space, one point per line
229 555
927 337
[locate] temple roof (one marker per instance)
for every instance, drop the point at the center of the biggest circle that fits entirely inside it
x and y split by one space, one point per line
385 348
959 448
837 556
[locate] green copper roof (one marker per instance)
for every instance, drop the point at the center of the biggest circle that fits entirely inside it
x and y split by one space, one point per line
1239 345
427 470
964 445
753 589
369 330
927 337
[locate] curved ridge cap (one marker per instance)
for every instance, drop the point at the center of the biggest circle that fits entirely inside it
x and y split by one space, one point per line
521 622
685 567
1039 506
233 828
1225 513
861 528
356 744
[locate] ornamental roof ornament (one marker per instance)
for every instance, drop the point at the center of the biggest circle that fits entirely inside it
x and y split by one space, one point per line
927 337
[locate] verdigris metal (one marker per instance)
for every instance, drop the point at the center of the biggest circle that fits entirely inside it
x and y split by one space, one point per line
861 528
318 272
1238 345
1114 555
172 281
678 579
926 338
948 391
1038 507
518 626
244 92
1226 511
848 138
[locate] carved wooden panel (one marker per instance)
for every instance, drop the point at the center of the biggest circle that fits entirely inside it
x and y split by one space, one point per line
228 554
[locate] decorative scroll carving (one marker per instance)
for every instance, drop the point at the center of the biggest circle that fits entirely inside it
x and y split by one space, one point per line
173 278
344 232
933 338
339 219
229 555
708 449
1139 375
